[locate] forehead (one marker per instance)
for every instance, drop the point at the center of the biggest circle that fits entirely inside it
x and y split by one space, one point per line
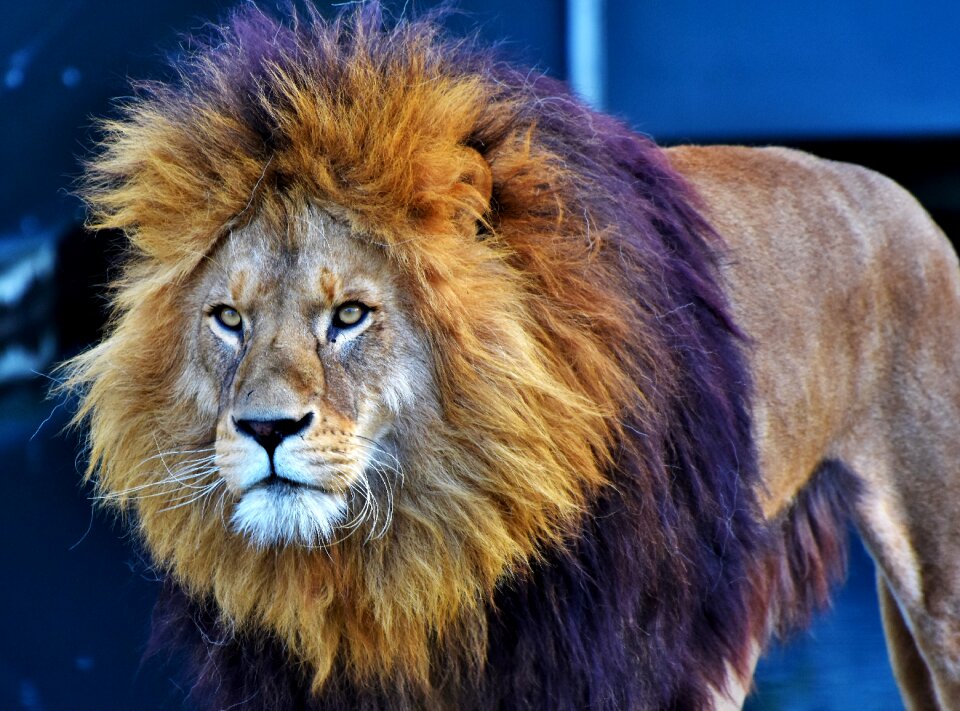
311 247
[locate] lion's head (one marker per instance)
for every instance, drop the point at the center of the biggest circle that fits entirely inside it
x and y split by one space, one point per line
330 370
306 354
387 341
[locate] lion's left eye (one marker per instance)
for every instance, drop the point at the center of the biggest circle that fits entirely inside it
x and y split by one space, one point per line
350 314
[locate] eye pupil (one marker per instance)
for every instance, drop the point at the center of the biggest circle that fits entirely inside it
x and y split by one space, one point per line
349 315
230 318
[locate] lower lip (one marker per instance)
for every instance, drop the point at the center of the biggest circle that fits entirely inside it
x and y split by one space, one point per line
279 481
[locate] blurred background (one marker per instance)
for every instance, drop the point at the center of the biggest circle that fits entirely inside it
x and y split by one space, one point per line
875 82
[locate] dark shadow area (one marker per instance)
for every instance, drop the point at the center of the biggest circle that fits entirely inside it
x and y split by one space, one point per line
77 597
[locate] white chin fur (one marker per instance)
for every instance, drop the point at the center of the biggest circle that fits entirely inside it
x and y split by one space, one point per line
271 516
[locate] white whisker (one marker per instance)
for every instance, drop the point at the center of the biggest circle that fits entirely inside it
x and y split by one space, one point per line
174 483
188 476
178 453
196 497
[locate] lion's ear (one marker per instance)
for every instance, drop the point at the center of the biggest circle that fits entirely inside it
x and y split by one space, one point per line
478 174
475 188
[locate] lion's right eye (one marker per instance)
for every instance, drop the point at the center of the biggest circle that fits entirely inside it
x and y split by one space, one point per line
229 318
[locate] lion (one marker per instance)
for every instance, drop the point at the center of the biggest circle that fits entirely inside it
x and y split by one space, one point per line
427 386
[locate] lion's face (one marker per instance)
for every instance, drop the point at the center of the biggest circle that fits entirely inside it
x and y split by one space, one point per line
309 360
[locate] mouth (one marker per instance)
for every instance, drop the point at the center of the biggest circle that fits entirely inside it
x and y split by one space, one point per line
279 483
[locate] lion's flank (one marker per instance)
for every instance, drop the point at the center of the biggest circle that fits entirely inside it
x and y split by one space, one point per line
584 510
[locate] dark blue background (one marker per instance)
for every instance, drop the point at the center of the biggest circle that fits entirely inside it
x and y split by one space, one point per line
874 82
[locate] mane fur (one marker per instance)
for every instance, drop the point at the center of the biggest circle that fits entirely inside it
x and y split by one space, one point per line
583 530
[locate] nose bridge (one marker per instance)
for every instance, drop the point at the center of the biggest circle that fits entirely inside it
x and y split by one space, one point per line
280 376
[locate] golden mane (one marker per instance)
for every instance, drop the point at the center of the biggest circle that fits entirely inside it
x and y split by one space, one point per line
536 340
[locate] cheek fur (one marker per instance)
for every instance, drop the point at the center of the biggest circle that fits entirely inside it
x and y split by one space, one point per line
396 371
201 378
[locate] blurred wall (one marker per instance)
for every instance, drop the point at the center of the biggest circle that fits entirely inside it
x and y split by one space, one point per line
751 69
62 61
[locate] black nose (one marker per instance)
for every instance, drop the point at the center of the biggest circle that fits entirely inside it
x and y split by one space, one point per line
269 433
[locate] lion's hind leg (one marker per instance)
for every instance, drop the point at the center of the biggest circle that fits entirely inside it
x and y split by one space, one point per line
901 436
909 668
918 599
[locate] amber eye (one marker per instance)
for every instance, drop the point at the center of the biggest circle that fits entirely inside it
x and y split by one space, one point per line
350 314
228 317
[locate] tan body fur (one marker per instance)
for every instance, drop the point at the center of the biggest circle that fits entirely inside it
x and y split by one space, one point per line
850 297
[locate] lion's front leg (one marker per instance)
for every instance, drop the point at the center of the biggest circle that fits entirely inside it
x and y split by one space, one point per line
737 688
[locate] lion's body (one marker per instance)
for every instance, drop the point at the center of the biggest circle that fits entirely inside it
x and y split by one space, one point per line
850 297
431 388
